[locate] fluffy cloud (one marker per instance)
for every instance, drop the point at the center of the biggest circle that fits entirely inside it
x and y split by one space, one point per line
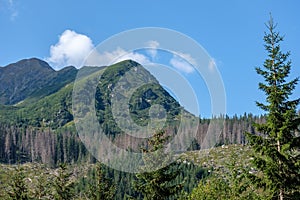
77 50
183 62
186 57
71 49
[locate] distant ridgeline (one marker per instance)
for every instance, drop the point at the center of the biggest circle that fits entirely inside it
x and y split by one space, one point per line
36 119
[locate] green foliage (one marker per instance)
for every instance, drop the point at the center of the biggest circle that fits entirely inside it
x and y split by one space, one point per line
211 189
226 163
40 181
18 188
231 181
42 186
157 182
101 188
63 184
277 147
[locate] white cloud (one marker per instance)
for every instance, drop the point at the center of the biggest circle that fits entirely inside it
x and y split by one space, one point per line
153 45
108 58
71 49
140 58
78 49
103 59
186 57
181 64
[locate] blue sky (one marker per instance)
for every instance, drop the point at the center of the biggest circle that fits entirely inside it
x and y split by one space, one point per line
230 31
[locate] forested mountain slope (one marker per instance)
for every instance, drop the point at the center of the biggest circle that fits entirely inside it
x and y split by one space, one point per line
41 127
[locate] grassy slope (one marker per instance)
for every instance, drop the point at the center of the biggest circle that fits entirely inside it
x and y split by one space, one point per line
55 110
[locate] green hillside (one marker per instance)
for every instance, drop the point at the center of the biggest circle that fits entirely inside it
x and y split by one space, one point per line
55 110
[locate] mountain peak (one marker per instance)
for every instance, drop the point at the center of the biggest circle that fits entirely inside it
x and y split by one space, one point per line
27 64
24 78
129 62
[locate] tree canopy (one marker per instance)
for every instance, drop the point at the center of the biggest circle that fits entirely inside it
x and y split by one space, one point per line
277 153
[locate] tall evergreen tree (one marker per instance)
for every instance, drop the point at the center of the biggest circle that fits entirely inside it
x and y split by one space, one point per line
277 147
101 188
157 184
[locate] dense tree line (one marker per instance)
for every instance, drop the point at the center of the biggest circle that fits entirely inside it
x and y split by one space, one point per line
29 144
20 145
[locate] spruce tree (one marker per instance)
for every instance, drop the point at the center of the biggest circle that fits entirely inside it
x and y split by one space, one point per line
101 188
276 149
157 184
